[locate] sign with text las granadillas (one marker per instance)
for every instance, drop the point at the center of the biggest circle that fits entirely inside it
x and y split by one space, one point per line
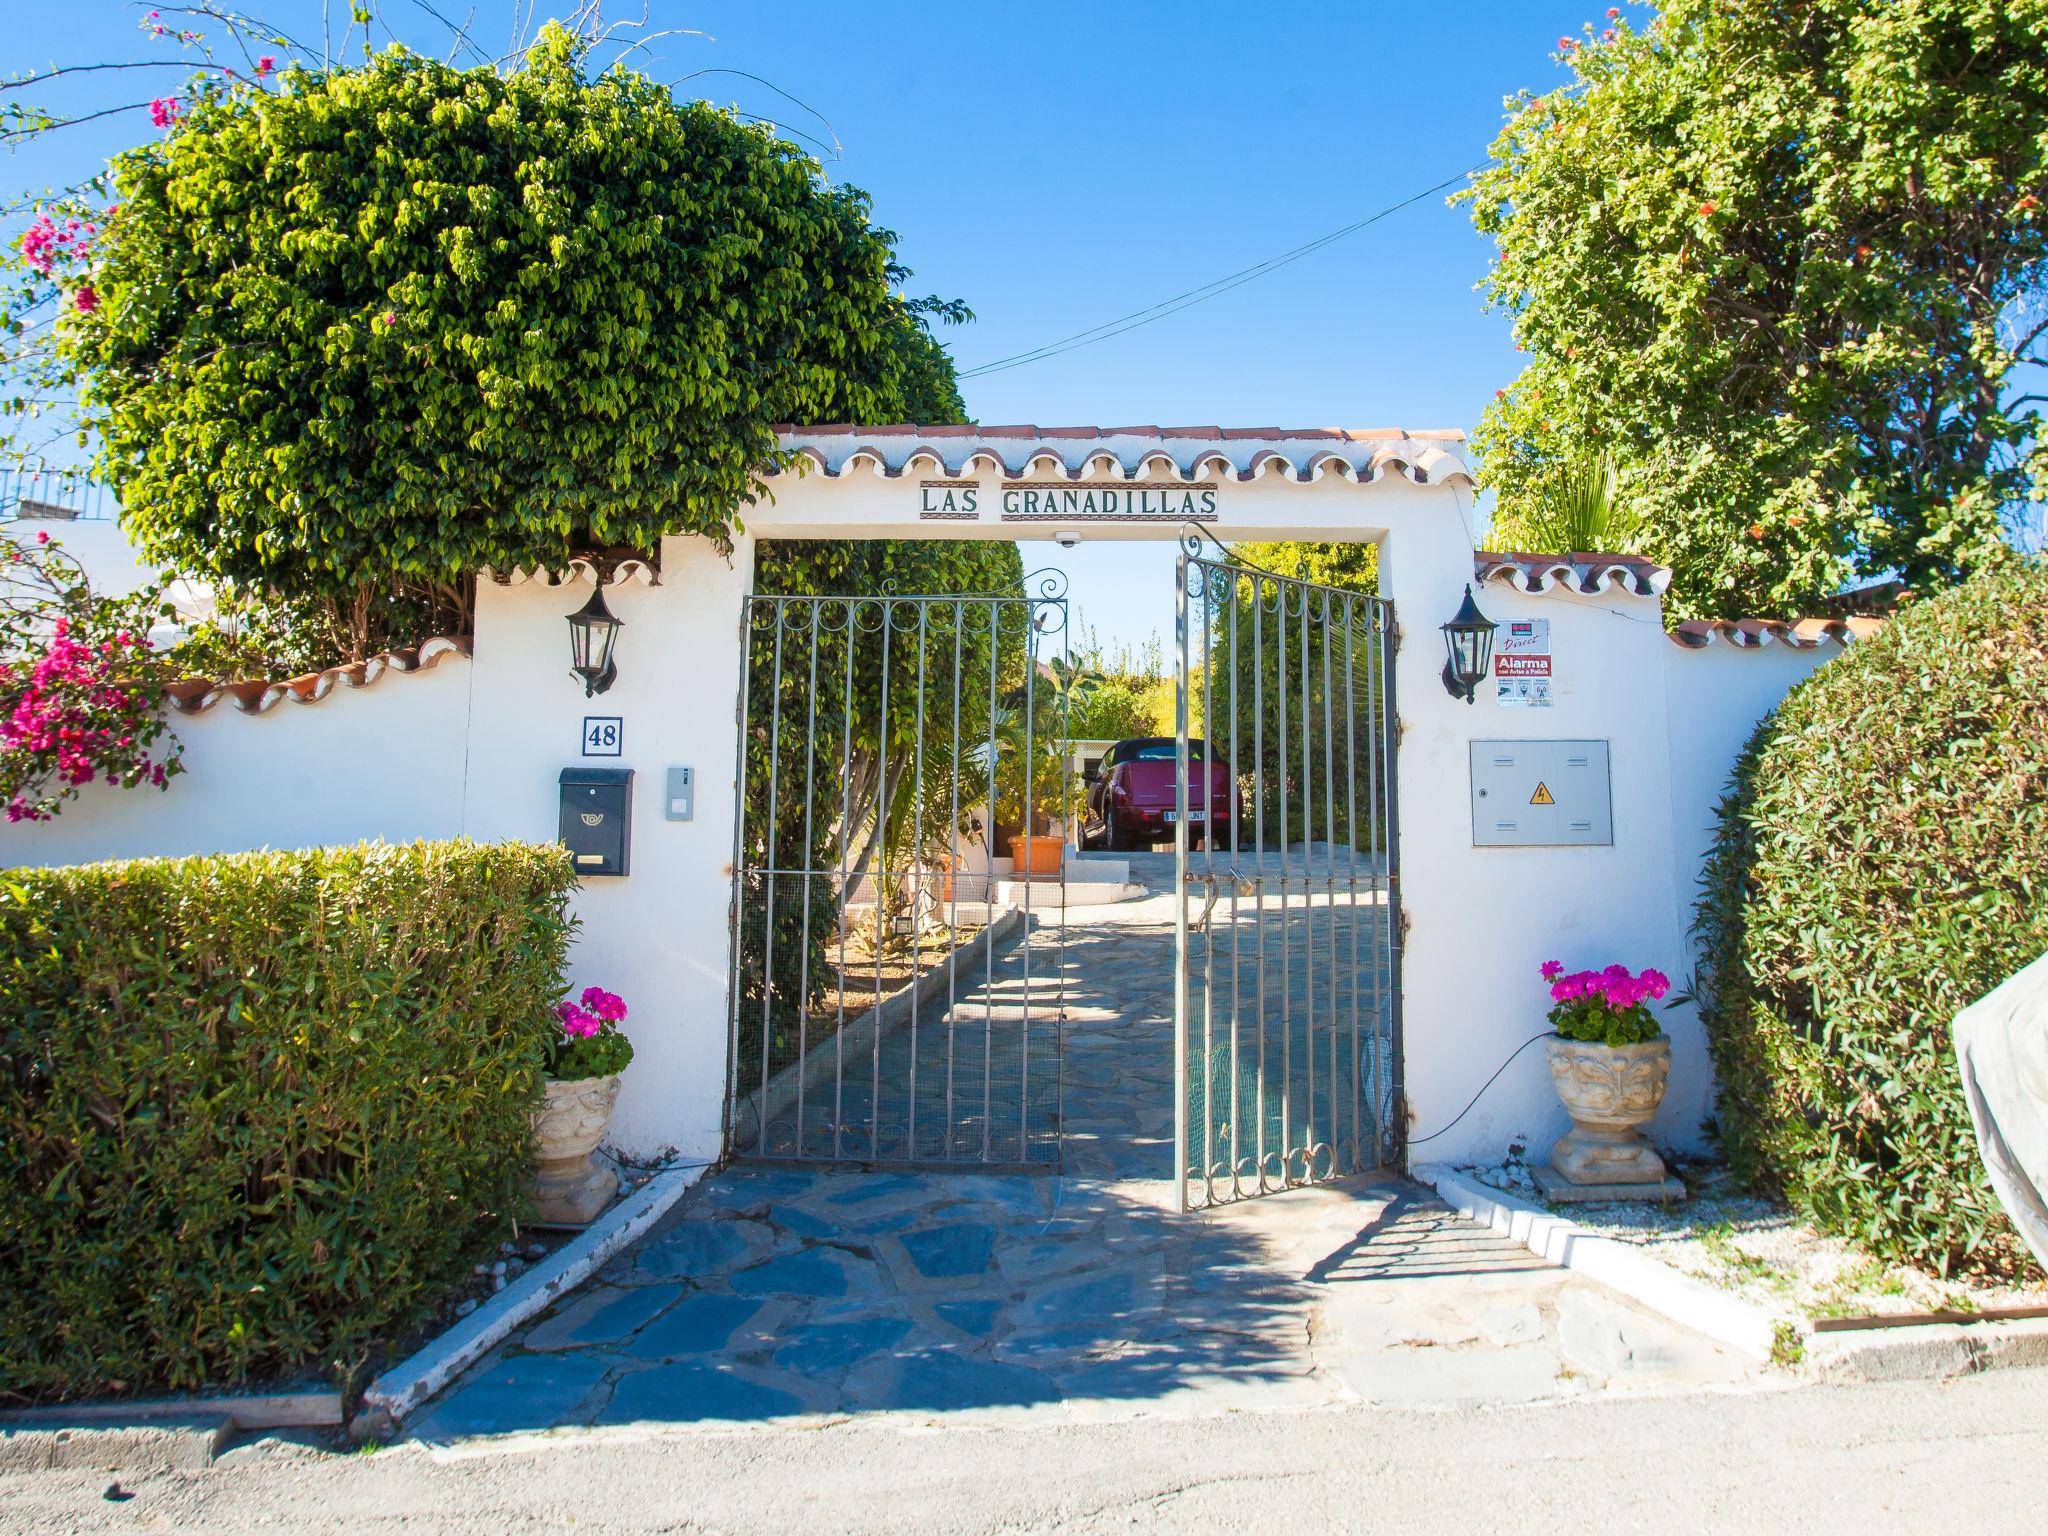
1033 501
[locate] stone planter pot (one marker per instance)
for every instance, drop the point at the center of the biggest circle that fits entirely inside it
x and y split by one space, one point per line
1610 1091
568 1188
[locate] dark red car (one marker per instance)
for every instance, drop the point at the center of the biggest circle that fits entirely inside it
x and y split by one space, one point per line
1131 801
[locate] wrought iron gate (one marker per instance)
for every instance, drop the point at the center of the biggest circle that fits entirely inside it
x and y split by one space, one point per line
1287 1063
893 1000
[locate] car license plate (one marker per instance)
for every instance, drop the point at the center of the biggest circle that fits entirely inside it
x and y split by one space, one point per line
1192 816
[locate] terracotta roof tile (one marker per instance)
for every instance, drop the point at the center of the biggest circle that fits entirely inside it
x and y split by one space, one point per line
1754 634
1585 572
1185 454
194 696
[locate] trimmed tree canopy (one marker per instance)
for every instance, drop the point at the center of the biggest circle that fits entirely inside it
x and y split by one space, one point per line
1781 259
409 320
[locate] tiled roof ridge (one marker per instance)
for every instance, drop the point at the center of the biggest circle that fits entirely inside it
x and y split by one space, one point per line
1215 433
1184 455
1795 634
1584 571
194 696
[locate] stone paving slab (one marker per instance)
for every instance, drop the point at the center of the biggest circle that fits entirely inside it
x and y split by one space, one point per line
1099 1305
773 1295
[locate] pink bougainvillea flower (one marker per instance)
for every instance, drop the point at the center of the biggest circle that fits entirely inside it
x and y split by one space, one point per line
390 318
266 64
1614 13
164 111
86 300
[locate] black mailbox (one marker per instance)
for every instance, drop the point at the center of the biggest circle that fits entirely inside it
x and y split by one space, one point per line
597 818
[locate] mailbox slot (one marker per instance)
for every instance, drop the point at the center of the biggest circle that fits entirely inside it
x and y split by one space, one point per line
597 818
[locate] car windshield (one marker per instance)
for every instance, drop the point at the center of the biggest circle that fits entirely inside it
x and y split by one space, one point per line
1162 752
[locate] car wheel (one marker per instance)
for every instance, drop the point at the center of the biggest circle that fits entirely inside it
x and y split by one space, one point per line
1112 837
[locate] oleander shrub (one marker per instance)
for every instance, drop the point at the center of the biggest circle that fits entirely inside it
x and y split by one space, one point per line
258 1110
1881 862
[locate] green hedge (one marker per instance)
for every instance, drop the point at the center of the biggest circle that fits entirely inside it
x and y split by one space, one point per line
1882 861
258 1109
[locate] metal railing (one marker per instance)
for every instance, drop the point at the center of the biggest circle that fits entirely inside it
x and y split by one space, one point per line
60 493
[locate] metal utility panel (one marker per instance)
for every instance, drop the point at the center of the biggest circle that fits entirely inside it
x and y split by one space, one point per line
1540 794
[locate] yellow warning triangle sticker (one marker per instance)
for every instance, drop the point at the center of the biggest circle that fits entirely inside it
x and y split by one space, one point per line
1542 795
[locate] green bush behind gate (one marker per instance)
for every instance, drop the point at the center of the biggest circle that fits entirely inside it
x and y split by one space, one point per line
257 1109
1881 863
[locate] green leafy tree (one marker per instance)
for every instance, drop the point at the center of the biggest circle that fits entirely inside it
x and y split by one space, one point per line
1129 692
1577 508
1783 260
361 336
1294 690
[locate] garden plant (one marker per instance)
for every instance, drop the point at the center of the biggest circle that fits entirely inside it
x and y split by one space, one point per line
259 1111
1881 862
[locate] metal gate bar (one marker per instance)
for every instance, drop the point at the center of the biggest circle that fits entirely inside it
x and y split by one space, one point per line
1287 945
885 1009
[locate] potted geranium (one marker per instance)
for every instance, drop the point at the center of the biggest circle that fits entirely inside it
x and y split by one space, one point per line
1610 1063
585 1056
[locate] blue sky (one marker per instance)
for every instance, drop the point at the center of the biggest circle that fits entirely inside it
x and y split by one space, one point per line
1058 165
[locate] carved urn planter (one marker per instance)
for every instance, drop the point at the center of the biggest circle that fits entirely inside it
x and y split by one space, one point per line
1611 1092
568 1188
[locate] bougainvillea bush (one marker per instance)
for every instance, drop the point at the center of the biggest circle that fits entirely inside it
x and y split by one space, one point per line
81 686
1609 1005
258 1111
1881 863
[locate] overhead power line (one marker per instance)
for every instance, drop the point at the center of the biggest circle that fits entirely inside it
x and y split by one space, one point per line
1207 291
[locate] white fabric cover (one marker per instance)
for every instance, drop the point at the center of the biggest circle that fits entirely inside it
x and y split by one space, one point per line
2002 1053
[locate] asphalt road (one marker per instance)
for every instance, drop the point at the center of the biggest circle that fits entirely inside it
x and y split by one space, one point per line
1970 1455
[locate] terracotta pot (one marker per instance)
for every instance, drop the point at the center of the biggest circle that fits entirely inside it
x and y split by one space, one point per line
568 1188
1611 1092
1037 855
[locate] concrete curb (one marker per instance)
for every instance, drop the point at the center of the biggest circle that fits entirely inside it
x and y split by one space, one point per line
166 1445
1616 1265
151 1434
412 1381
1926 1351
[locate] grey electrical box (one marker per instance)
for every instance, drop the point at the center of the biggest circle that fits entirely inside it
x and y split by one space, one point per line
682 794
1540 793
597 818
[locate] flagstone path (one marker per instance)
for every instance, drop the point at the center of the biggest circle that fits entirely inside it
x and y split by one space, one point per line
783 1296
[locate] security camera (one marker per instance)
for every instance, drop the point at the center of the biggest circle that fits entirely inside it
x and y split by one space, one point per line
1067 538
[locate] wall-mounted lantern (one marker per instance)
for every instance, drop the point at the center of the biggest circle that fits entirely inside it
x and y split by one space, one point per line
593 631
1469 639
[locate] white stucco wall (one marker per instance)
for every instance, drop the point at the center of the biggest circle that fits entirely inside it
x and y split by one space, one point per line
1484 919
476 748
659 936
383 761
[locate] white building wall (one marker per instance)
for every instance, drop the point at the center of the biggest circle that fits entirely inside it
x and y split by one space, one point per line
477 748
659 937
382 761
